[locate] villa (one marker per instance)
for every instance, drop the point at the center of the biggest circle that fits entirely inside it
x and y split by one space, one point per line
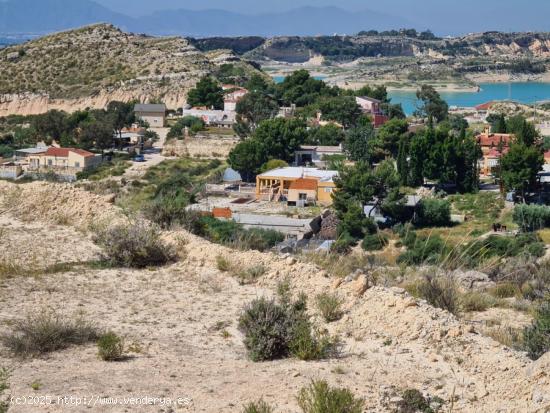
297 186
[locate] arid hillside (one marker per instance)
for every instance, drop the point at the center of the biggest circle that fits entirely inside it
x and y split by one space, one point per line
180 324
93 65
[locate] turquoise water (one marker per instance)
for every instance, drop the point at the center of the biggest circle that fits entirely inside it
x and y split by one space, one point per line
524 92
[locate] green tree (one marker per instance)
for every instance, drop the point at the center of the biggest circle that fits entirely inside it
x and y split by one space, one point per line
247 157
498 122
121 114
273 164
192 122
524 131
98 135
51 125
358 141
432 105
259 84
301 89
341 109
329 135
281 137
389 135
520 166
207 92
253 108
378 92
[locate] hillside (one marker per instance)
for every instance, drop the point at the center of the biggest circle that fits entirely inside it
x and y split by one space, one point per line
181 323
90 66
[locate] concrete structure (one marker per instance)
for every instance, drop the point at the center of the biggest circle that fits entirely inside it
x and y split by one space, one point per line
10 170
493 146
133 135
212 117
153 114
312 154
232 96
296 185
369 105
66 162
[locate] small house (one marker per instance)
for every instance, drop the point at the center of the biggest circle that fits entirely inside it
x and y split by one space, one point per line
63 161
369 105
153 114
317 155
298 186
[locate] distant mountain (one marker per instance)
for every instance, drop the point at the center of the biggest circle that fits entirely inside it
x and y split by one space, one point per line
300 22
20 16
43 16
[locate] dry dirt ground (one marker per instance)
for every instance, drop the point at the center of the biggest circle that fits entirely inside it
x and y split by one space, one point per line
180 322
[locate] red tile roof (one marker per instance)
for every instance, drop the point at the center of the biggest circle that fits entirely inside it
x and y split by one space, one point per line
304 184
494 139
64 152
485 106
495 153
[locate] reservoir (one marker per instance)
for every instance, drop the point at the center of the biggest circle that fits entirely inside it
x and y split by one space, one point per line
522 92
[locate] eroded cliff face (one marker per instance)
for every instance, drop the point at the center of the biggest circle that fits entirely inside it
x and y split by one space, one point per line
34 104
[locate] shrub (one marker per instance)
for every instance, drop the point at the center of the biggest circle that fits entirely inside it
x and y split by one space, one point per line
531 217
135 245
374 242
476 301
258 407
251 274
308 344
413 401
110 347
4 385
265 326
319 397
536 337
46 332
330 306
275 330
433 213
504 290
423 250
440 292
223 263
343 244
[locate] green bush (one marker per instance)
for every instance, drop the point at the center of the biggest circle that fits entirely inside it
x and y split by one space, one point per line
135 245
275 330
45 332
231 234
531 217
110 347
374 242
319 397
413 402
440 292
536 337
433 213
423 249
343 244
258 407
330 306
192 122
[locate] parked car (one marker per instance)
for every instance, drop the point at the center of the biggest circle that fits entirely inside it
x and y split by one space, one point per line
139 158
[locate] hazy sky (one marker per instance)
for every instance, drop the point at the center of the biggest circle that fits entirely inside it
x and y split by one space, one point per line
456 15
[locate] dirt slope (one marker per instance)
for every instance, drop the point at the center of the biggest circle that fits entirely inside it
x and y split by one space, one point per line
175 317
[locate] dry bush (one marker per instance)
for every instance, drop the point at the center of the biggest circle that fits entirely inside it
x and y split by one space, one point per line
45 332
330 306
319 397
440 292
258 407
137 245
476 301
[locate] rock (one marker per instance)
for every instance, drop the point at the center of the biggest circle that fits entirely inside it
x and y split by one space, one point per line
290 261
398 290
454 332
360 286
472 280
336 283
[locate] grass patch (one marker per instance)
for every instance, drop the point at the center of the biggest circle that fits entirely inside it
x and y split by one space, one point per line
258 407
476 301
330 306
319 397
45 332
110 347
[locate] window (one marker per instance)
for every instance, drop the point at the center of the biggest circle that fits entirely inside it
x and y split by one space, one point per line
302 197
50 162
328 190
77 164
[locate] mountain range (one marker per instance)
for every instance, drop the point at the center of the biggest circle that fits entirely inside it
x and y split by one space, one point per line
31 16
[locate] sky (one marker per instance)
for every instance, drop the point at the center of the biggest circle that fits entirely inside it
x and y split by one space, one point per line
451 16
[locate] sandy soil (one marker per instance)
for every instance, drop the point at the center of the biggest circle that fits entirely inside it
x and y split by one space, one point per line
174 318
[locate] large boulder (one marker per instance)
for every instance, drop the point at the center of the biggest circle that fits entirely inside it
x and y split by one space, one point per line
472 280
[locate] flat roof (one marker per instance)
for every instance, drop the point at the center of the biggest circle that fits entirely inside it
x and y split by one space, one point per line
32 150
300 172
320 148
150 107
